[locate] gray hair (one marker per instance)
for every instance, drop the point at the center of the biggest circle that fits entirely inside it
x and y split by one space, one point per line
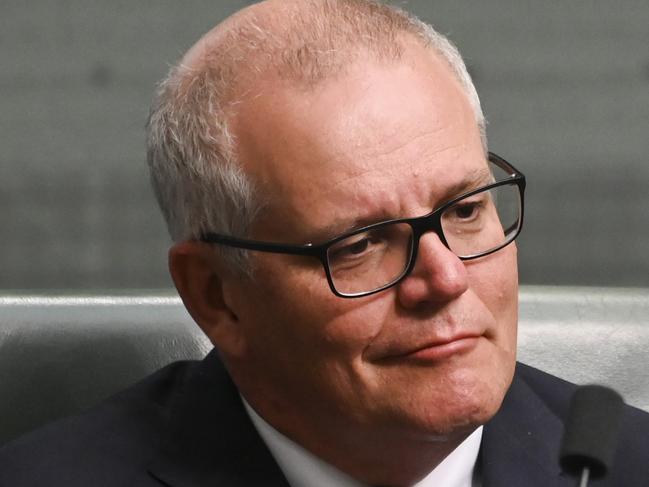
197 180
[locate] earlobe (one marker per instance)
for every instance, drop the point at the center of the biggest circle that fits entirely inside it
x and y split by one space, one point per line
200 281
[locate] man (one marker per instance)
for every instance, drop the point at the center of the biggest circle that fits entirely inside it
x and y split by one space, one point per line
344 239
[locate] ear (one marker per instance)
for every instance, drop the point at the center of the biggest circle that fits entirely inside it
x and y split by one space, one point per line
200 278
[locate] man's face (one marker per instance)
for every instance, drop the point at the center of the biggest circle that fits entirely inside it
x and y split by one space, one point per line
432 355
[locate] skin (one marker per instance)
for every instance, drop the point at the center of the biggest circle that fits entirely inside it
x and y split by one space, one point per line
362 383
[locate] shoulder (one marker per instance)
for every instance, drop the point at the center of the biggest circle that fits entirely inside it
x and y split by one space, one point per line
104 444
556 393
553 391
633 445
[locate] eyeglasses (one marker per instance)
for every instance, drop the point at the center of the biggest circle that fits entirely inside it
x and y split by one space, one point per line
373 258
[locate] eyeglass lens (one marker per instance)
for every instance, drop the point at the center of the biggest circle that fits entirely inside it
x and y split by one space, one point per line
472 226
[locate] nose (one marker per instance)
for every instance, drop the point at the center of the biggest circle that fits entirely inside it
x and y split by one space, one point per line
438 276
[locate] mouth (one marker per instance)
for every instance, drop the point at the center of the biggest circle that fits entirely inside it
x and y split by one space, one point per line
437 350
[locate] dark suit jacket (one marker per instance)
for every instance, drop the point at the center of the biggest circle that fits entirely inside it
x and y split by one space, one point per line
185 426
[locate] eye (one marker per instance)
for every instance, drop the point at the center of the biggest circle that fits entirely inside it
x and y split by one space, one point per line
357 247
466 210
370 248
352 247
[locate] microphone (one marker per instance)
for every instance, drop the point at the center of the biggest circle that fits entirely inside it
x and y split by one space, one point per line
590 438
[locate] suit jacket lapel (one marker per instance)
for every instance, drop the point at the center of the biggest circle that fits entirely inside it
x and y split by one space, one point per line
520 445
210 441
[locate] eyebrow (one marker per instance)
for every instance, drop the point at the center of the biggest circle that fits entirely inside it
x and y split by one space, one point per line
473 180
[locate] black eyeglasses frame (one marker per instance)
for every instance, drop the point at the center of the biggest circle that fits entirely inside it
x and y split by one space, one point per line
420 225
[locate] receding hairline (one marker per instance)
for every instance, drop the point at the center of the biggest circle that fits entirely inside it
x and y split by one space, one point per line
261 13
269 17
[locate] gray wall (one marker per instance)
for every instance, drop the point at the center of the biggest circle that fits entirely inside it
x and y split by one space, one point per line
565 86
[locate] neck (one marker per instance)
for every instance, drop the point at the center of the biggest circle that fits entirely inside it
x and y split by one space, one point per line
388 459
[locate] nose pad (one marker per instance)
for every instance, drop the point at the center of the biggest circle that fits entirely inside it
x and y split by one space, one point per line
437 276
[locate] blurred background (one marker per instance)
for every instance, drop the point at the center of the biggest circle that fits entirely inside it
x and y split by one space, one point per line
564 85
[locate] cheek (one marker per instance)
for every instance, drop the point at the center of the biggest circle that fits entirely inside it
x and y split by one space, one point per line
301 337
495 281
298 300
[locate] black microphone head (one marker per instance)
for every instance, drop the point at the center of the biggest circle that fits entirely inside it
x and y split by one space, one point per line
590 439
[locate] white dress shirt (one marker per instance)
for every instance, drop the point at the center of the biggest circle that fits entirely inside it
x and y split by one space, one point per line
303 469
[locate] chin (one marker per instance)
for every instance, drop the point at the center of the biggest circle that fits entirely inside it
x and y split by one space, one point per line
470 399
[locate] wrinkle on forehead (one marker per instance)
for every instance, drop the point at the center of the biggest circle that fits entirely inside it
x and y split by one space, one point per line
384 193
368 175
362 145
383 202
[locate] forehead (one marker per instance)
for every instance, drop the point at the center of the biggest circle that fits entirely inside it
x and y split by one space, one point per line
381 141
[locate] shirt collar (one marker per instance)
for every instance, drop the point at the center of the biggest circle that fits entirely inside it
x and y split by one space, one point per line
303 469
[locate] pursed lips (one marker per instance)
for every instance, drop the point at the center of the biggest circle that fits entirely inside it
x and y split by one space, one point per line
434 348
